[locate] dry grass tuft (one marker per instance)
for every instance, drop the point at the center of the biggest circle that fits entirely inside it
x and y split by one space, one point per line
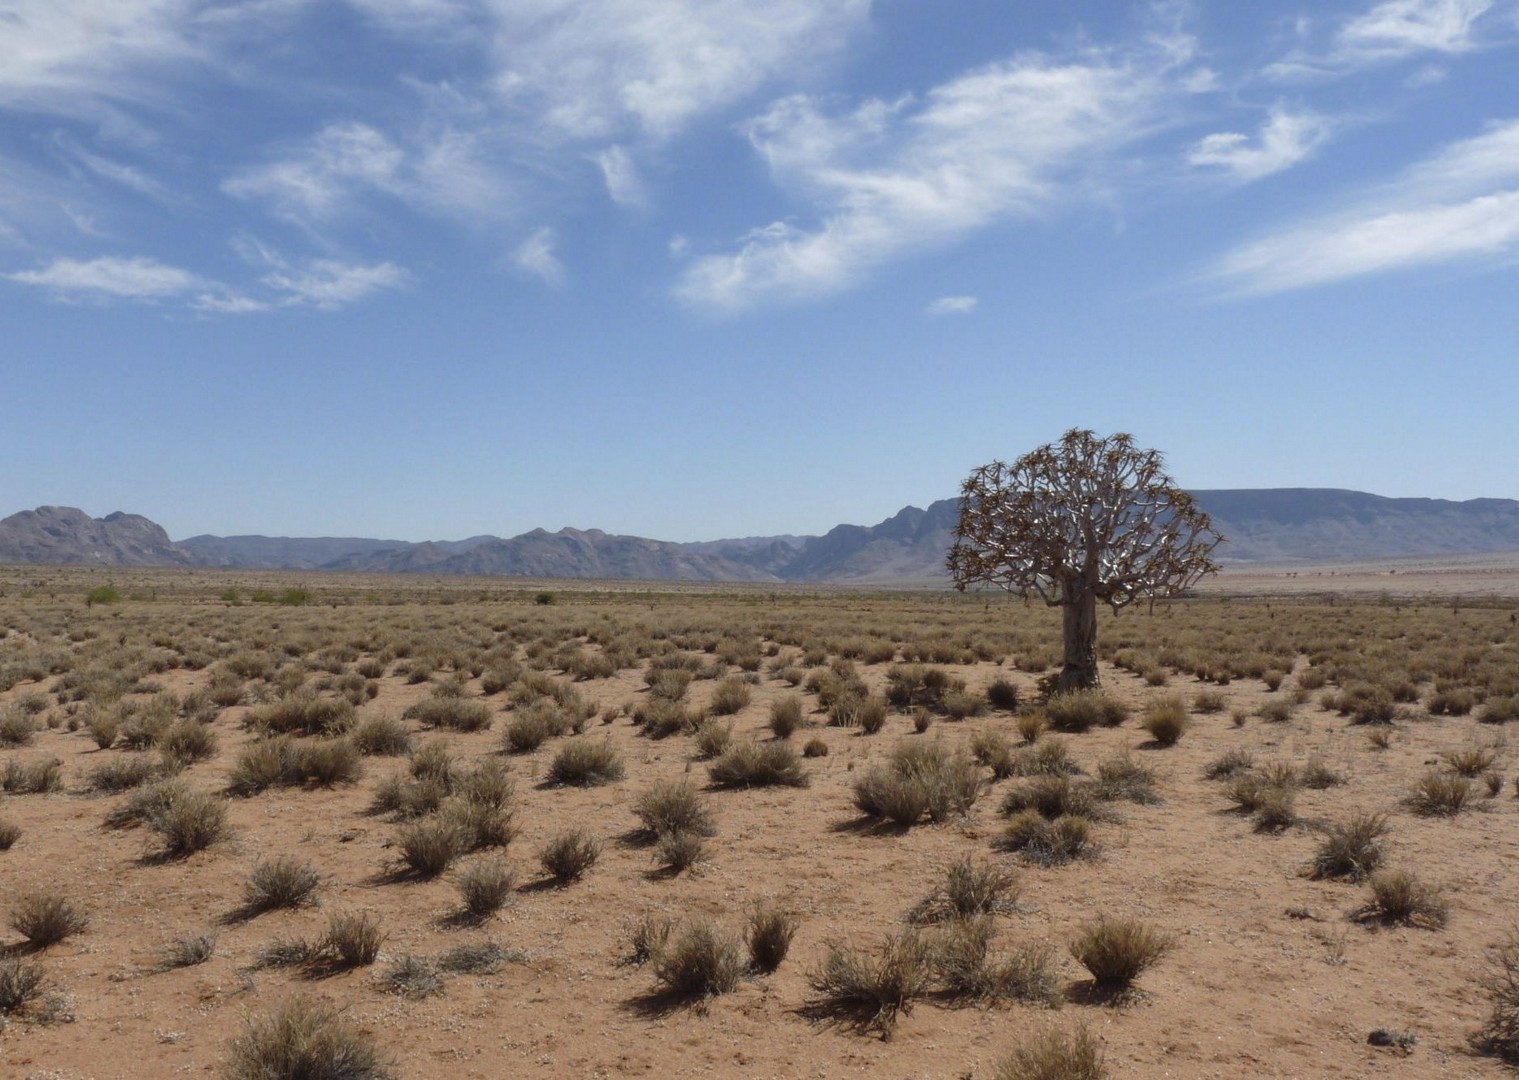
306 1039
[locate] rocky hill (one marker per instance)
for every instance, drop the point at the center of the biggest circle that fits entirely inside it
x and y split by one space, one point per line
1269 525
62 534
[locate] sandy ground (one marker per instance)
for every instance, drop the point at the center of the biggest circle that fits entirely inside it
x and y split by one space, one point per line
1269 976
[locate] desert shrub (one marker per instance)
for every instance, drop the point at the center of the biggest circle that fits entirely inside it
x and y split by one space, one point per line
712 737
729 696
479 825
450 712
190 821
306 1039
10 832
699 961
121 774
1045 757
45 919
428 847
1470 761
302 713
648 938
1031 725
1499 710
1275 712
991 749
679 851
1052 797
674 806
286 882
969 889
815 748
103 727
1002 694
20 983
768 935
1453 702
33 777
412 976
532 726
1229 764
1317 774
1116 951
869 714
1120 776
1054 1055
915 684
754 764
1352 848
327 762
187 742
1372 705
1045 842
568 856
1081 710
919 778
1500 1034
1439 794
583 763
1275 808
659 718
875 987
353 938
16 726
965 966
285 762
478 958
1398 896
962 704
260 765
785 716
488 784
187 951
1208 701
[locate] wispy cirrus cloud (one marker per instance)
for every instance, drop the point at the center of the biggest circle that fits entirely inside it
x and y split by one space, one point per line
953 305
1460 205
327 284
1013 139
1285 139
1389 31
536 256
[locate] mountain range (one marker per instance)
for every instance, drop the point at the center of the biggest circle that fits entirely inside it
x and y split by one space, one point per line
1260 525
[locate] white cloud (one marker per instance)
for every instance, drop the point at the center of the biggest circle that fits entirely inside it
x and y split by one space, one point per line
1285 139
1460 205
320 180
598 69
109 276
953 305
1012 139
535 255
624 185
1389 31
330 284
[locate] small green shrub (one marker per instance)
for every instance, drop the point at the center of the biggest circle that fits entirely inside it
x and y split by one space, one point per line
102 594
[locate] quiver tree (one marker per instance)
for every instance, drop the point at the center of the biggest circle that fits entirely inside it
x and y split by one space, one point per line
1084 520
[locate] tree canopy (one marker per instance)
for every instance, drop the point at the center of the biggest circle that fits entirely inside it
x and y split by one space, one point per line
1088 519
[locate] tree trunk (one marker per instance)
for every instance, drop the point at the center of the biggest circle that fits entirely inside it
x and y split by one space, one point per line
1080 671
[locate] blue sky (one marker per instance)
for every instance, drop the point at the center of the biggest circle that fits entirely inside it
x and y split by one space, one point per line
703 268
